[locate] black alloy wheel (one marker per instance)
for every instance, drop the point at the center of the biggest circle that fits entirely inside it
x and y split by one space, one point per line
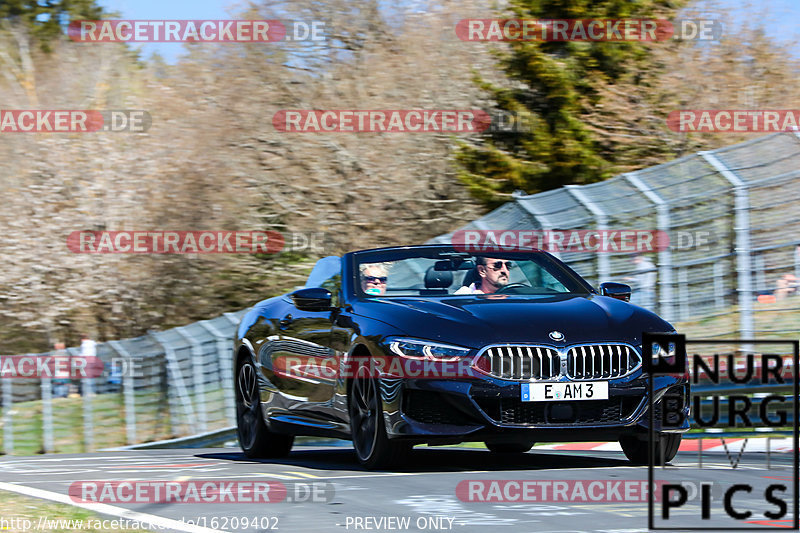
255 439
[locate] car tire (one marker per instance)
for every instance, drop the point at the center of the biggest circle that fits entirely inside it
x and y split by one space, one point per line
255 439
509 447
636 451
373 447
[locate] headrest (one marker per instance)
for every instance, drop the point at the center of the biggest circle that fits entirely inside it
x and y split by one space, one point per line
438 279
471 277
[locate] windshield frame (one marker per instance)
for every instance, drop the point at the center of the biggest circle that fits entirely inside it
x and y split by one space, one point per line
566 275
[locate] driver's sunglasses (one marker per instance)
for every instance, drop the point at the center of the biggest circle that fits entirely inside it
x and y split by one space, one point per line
497 265
375 279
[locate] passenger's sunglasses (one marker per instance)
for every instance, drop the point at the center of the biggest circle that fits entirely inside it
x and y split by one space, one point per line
375 279
497 265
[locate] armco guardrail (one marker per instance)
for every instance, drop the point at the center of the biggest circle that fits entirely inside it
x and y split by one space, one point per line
210 439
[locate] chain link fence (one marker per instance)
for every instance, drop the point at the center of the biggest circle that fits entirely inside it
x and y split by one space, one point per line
164 384
733 221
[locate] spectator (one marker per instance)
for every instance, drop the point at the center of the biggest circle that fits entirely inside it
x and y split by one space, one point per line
60 382
645 281
88 352
786 286
115 376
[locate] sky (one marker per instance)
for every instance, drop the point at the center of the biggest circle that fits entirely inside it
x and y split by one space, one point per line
780 17
171 10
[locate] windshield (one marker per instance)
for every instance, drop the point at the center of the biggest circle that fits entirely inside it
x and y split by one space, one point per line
423 272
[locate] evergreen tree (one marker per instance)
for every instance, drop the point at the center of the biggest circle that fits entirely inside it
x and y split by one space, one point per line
554 85
47 19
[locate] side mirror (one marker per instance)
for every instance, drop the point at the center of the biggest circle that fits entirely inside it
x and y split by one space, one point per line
620 291
312 299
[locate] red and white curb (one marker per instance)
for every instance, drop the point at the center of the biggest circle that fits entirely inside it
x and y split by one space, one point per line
758 444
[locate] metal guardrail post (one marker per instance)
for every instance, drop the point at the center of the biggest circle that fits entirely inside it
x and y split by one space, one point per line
197 376
663 224
225 355
127 390
47 413
183 394
744 274
603 262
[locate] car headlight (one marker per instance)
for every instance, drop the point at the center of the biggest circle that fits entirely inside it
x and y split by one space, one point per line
426 350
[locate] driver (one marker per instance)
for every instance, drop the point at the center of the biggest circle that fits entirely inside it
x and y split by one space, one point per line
494 275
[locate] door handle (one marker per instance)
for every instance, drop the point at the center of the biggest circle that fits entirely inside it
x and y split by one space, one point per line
285 322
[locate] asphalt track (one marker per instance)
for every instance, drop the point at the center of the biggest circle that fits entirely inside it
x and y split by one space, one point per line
421 496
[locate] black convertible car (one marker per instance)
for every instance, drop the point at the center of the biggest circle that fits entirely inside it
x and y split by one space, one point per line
400 346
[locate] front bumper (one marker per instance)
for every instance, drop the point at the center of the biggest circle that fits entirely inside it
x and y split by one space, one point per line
430 410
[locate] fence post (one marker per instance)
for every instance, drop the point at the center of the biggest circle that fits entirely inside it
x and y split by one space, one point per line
542 223
183 394
8 419
603 261
127 391
797 261
761 274
719 286
683 293
87 391
88 414
197 376
47 413
665 253
224 352
233 319
744 275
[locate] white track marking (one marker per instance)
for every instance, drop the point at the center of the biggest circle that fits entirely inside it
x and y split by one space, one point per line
102 508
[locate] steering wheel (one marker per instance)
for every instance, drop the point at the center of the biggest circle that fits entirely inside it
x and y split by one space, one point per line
510 286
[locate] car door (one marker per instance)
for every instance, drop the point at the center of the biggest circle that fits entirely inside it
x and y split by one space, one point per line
307 357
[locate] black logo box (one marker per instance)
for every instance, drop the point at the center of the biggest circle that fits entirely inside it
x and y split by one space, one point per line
678 366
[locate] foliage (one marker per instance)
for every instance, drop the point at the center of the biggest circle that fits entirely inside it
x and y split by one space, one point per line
554 86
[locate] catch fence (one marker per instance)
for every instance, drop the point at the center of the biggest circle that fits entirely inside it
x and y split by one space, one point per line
733 221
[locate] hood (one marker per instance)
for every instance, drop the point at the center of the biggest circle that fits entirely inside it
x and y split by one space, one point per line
476 320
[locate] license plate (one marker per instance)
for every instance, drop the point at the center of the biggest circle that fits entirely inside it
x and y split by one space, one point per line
559 392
